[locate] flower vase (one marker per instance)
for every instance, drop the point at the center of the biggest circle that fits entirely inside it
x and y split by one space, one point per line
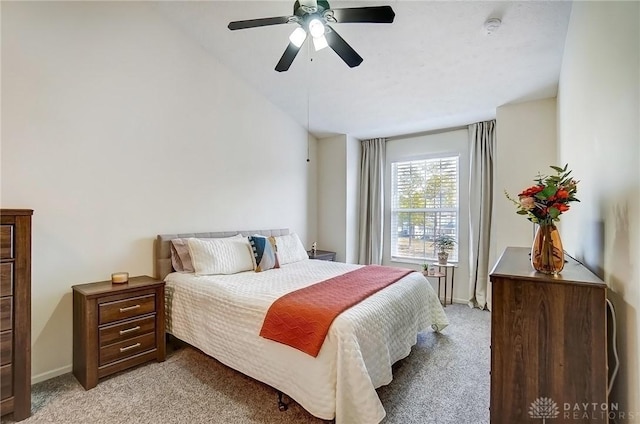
547 255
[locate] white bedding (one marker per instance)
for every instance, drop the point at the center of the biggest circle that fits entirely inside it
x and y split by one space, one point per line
222 315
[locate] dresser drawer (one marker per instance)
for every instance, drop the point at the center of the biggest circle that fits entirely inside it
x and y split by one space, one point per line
6 347
6 313
6 381
127 348
6 241
118 332
126 308
6 279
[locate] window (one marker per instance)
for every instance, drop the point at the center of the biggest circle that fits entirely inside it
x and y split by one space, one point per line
424 203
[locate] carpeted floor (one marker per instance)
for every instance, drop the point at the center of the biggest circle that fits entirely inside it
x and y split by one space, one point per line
445 380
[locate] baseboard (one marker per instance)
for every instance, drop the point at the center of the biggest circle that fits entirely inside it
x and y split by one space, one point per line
50 374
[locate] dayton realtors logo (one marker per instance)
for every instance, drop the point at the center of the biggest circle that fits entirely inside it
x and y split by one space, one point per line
544 408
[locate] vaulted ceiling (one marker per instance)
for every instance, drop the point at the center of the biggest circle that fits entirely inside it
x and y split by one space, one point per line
435 67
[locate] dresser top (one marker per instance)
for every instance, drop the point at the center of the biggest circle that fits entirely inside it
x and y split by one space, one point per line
16 211
516 262
103 287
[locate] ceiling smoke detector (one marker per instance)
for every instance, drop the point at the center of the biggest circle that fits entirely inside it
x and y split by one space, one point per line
492 25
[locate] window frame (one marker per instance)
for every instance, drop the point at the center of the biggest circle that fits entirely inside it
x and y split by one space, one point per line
455 255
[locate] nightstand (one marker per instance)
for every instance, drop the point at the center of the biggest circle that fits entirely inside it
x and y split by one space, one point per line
323 255
443 274
116 327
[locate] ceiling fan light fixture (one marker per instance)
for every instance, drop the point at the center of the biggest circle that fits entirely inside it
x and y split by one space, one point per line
320 42
298 36
316 28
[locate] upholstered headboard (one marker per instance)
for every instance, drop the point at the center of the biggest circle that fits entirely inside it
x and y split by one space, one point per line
163 245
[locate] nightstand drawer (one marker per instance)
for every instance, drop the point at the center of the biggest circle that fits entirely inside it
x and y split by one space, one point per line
6 313
127 348
126 308
126 330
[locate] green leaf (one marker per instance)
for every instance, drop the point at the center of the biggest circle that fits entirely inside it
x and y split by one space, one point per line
557 168
522 212
547 192
554 213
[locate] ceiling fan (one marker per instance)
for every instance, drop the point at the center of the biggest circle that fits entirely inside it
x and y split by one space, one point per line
313 17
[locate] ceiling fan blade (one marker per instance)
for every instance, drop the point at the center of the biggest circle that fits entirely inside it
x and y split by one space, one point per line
252 23
375 14
344 50
287 57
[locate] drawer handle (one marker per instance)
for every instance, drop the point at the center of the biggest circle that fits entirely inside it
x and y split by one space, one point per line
129 330
133 346
129 308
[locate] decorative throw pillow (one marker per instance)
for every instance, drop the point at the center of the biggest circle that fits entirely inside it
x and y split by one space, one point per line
220 256
290 249
180 257
265 254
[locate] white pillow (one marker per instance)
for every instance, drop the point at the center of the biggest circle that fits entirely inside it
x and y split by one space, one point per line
180 257
220 256
290 249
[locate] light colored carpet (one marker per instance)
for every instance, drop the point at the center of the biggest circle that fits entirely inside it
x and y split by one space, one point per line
445 380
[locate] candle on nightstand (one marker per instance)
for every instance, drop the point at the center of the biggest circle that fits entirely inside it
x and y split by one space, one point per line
119 277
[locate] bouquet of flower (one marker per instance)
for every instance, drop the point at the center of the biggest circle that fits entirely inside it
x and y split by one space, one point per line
549 198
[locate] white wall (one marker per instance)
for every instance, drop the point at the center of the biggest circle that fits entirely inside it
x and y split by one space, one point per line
117 128
599 135
338 192
526 143
454 142
332 200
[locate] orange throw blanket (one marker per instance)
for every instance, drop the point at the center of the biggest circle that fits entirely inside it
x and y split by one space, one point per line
302 318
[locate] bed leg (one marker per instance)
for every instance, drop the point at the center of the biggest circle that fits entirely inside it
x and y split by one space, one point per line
281 405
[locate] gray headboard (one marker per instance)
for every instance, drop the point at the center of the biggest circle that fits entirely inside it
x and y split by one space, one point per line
163 245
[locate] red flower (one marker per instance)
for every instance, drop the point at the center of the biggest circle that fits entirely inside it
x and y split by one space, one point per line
562 207
531 191
562 194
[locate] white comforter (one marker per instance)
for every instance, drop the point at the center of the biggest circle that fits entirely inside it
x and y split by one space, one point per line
222 315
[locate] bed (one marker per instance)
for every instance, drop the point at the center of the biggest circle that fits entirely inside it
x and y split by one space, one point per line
222 316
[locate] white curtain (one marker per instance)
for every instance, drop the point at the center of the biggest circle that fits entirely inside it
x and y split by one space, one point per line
482 149
372 201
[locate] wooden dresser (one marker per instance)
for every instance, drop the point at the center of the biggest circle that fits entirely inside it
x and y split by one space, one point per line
15 312
116 326
548 342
